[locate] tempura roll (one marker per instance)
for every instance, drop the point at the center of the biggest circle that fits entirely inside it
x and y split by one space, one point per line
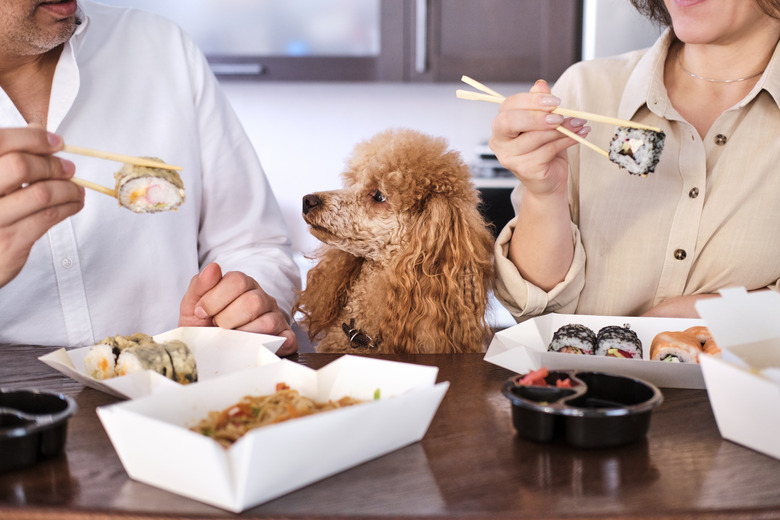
100 361
145 189
145 357
183 362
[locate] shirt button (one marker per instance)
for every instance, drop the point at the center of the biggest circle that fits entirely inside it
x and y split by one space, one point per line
680 254
693 193
720 139
67 263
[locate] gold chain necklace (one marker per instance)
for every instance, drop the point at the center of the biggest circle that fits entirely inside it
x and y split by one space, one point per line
711 80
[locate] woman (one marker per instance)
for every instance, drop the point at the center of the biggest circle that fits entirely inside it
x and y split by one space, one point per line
590 238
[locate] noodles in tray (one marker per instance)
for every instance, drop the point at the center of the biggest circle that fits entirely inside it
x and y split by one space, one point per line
228 425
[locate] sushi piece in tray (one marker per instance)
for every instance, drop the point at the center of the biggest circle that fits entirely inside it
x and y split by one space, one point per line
610 341
121 355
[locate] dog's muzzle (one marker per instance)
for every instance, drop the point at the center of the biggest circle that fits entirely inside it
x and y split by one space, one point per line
310 202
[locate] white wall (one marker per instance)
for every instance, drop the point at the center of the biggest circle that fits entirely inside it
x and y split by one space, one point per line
612 27
304 132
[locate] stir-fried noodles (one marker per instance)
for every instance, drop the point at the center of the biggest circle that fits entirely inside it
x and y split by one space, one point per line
251 412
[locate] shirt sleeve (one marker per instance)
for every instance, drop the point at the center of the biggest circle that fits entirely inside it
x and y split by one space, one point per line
525 300
241 225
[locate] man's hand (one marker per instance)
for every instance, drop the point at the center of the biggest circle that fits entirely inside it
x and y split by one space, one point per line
234 301
34 193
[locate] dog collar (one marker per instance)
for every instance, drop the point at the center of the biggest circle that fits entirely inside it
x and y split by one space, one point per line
357 338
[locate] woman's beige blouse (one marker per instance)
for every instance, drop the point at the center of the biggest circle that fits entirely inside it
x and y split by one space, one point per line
706 219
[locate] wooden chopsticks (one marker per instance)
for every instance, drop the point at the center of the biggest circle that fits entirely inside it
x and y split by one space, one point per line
92 186
129 159
491 96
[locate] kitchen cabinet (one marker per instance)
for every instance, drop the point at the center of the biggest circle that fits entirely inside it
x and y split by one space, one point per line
381 40
493 40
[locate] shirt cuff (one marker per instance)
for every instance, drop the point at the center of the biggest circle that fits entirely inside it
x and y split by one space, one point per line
525 300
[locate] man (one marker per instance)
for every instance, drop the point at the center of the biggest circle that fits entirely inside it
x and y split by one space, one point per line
74 266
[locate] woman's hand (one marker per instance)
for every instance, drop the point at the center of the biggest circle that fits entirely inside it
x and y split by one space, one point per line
34 193
525 141
678 307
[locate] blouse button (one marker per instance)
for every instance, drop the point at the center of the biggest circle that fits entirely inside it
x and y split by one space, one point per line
680 254
693 193
67 263
720 139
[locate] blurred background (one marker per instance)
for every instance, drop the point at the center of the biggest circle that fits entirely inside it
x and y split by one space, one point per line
311 78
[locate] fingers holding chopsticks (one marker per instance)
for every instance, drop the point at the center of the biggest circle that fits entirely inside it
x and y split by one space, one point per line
527 138
26 157
33 196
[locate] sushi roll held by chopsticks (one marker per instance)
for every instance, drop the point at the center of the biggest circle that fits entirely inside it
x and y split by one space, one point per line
637 150
146 189
635 147
143 185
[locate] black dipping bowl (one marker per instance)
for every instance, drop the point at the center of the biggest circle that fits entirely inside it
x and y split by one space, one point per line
33 425
599 410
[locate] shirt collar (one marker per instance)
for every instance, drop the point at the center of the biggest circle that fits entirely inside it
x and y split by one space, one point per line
81 28
646 86
770 79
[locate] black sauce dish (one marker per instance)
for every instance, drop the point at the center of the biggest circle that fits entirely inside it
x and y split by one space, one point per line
33 426
599 410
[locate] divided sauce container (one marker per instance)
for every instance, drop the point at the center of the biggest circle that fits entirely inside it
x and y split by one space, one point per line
33 426
599 410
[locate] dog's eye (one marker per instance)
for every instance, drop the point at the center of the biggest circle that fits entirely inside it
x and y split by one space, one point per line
378 196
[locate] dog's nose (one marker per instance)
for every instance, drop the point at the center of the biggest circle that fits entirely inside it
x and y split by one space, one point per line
310 202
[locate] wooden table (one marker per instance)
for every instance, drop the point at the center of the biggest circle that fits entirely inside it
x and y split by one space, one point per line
469 465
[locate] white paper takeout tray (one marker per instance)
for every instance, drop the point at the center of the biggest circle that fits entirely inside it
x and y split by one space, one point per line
152 437
217 352
523 348
744 385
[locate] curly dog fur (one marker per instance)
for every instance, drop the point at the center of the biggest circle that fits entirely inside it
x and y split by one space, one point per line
406 264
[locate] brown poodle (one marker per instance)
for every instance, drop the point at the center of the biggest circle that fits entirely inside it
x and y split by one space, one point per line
407 263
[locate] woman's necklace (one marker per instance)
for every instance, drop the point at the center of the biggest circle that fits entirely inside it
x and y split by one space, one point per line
711 80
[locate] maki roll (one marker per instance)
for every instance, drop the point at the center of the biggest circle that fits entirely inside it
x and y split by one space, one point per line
145 189
636 150
573 339
616 341
675 347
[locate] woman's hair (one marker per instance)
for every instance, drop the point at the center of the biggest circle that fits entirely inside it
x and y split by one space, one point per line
656 11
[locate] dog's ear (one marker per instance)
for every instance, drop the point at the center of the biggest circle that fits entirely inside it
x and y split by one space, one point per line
447 273
327 286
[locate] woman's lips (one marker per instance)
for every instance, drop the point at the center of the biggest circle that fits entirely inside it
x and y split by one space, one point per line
61 9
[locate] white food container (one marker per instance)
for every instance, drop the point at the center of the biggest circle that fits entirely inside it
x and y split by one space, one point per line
744 384
523 348
153 440
217 352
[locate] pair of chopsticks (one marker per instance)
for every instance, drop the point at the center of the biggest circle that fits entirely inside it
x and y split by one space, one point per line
492 96
129 159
